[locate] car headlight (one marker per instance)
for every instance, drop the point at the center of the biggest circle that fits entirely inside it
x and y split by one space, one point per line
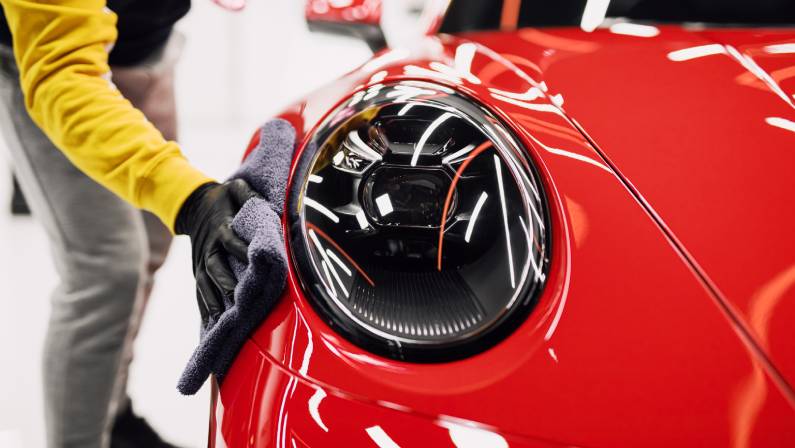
418 224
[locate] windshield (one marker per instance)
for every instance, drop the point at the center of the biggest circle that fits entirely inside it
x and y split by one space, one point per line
473 15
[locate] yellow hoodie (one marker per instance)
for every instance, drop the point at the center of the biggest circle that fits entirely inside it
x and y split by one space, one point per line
61 48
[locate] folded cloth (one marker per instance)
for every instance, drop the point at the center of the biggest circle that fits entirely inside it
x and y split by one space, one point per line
260 281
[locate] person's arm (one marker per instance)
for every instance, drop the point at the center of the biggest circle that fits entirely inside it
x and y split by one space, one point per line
61 48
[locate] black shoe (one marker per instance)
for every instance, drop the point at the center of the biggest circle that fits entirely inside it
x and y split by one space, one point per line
19 206
132 431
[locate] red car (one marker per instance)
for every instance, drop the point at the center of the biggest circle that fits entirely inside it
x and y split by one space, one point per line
548 224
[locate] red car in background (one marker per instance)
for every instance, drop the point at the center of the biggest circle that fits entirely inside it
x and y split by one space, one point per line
561 223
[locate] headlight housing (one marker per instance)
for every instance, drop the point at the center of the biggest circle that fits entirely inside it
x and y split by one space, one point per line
418 225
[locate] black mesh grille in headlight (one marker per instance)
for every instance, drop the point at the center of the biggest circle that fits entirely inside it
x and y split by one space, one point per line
417 223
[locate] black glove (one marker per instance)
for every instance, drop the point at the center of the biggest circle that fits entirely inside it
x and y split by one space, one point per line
206 216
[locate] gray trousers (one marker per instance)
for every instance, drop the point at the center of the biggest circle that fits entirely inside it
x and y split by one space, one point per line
105 251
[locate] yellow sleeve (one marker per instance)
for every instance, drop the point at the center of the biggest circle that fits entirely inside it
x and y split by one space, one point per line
61 48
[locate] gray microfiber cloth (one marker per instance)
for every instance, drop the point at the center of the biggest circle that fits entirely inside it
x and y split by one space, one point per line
262 280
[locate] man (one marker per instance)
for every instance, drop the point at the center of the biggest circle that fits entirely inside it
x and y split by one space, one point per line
78 133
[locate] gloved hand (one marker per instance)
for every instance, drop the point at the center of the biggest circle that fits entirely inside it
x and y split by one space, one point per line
206 217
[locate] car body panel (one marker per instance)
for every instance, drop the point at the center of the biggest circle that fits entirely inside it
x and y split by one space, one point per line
286 410
628 344
706 145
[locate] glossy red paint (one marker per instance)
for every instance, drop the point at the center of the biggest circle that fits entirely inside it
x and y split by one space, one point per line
716 169
645 332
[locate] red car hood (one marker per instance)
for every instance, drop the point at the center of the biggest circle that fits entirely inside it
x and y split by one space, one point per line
664 318
701 126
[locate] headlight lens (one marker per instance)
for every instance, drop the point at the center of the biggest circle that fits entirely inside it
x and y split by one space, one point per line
418 224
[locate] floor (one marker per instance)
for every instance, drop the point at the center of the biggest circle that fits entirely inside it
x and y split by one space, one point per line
229 81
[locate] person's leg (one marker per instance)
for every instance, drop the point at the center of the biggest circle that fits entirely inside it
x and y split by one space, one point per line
150 88
158 241
99 248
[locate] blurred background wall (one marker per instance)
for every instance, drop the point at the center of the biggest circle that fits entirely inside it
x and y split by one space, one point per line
237 70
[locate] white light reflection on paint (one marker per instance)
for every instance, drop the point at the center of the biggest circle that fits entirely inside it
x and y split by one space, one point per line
594 14
378 77
552 354
580 157
464 54
372 92
380 437
470 436
510 65
315 179
564 295
474 217
571 155
749 64
356 98
498 169
531 94
543 86
310 346
385 59
687 54
780 48
403 93
634 29
449 71
314 408
281 428
531 106
427 134
309 202
414 70
782 123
